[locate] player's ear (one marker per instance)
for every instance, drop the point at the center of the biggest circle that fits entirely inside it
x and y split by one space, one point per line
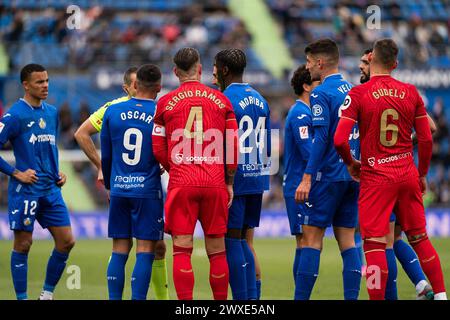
175 71
370 57
225 70
306 87
395 65
200 69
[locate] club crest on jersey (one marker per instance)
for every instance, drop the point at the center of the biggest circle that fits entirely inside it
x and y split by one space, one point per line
27 221
42 123
317 110
371 161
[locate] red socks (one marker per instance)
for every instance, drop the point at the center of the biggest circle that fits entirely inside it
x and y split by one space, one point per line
431 265
377 269
219 275
183 275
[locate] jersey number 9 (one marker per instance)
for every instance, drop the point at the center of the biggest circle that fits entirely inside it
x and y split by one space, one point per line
136 146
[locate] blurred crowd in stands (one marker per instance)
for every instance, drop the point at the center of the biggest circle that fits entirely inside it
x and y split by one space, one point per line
118 39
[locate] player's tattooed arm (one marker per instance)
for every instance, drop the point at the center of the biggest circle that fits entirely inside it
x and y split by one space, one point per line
27 177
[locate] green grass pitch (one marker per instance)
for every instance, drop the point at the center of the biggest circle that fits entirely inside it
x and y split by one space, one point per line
276 257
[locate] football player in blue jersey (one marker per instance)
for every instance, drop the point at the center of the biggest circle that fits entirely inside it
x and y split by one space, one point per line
34 191
327 190
252 177
132 175
298 137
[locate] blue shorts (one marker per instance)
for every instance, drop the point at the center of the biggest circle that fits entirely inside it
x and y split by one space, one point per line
245 211
332 203
49 211
140 218
294 211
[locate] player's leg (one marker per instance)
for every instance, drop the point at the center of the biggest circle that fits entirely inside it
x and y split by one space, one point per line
213 218
391 285
375 206
219 272
410 263
411 215
19 262
64 242
53 215
142 272
359 246
251 221
294 212
253 268
316 218
147 227
159 282
234 249
183 275
119 229
344 224
181 213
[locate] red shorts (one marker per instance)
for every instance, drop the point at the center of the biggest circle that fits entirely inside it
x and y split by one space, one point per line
376 203
185 205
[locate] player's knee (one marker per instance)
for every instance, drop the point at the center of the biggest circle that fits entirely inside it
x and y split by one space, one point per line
160 250
23 245
417 236
311 242
67 245
234 234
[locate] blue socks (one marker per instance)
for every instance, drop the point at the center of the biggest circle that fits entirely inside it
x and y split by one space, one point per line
359 246
391 285
296 261
237 267
258 289
116 275
409 261
55 268
250 272
307 274
140 280
351 273
19 271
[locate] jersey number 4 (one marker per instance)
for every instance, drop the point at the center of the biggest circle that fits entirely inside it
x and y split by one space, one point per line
385 128
195 118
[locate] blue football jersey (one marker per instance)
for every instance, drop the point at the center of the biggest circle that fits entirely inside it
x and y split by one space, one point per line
326 100
128 164
32 132
253 117
298 137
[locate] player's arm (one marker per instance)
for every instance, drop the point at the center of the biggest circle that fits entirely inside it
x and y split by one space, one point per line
231 150
321 123
10 128
424 140
433 129
106 150
159 138
89 127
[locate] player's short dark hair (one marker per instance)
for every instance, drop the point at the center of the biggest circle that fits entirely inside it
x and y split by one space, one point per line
148 75
26 71
234 59
367 51
386 51
326 47
299 78
127 75
186 58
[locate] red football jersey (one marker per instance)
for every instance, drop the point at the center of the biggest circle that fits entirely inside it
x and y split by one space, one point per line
385 110
193 119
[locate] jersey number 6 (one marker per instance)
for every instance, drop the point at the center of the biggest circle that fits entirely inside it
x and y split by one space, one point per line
385 128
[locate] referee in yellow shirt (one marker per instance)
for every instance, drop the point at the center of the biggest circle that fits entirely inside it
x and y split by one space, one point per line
83 135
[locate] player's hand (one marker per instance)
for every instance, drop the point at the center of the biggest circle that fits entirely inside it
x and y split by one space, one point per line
355 170
302 192
100 177
230 194
27 177
161 170
423 184
62 180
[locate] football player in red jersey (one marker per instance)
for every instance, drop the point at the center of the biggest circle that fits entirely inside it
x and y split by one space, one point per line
387 110
192 125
